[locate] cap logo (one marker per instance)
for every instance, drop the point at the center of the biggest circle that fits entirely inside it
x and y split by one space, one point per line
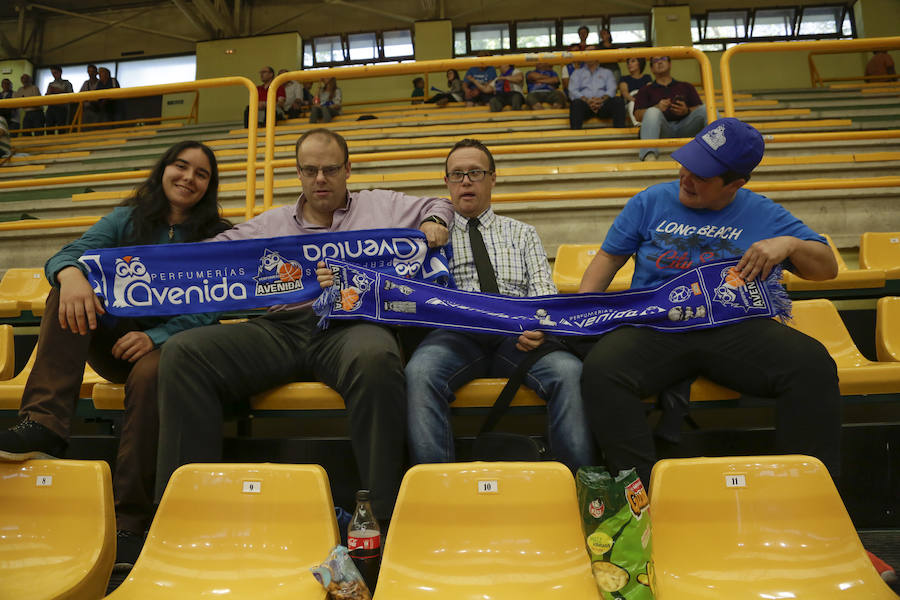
715 137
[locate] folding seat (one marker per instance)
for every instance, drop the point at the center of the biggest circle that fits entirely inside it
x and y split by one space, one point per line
846 278
237 531
505 531
881 250
7 352
11 389
573 259
57 529
755 527
23 289
887 329
857 374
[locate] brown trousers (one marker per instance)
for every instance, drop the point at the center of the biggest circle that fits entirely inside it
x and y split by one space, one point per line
52 392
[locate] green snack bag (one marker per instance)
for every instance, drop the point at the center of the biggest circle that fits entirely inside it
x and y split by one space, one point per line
615 518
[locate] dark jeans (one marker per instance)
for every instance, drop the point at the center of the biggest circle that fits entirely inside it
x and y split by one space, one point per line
579 111
210 372
501 99
759 357
33 119
53 389
57 114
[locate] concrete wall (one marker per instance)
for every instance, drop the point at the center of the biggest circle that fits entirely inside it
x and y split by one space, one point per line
241 57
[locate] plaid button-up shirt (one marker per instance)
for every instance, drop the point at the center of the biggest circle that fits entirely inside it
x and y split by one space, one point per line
516 253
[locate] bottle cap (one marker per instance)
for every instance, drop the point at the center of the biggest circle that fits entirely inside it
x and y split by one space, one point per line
362 496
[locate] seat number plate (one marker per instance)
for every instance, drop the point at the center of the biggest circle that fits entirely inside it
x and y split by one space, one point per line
488 486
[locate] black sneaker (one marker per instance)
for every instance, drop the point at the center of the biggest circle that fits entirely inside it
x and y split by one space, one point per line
128 548
30 439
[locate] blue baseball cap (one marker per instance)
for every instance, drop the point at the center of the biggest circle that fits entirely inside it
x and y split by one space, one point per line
724 145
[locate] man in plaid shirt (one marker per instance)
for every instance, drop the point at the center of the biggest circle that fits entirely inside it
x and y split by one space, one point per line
446 360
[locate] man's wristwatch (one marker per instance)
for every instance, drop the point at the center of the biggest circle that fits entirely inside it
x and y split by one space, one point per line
434 219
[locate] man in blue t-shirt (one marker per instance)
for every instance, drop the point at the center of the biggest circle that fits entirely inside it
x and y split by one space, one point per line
476 85
707 215
543 87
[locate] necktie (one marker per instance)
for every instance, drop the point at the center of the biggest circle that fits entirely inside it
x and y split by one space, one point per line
487 280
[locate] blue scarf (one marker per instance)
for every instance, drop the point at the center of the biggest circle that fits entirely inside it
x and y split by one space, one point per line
710 295
175 279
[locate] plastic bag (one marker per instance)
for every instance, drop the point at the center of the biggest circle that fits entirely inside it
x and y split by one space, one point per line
615 517
340 577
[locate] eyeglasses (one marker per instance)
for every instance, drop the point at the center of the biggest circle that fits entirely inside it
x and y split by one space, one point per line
474 175
653 61
327 171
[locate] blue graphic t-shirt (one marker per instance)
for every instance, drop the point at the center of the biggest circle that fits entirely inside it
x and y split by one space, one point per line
667 237
481 75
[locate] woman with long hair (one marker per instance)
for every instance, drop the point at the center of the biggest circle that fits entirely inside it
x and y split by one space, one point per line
454 91
327 102
177 203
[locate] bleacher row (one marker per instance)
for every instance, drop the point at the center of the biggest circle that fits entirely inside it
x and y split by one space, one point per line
464 530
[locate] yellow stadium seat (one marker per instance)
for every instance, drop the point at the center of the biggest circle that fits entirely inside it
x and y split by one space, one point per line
237 531
11 390
57 529
573 259
7 352
754 527
847 279
504 531
23 289
881 251
858 375
887 329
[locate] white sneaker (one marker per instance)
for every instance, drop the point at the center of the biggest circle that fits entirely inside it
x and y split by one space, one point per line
650 156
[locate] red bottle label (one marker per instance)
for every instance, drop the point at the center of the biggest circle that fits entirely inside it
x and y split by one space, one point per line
364 543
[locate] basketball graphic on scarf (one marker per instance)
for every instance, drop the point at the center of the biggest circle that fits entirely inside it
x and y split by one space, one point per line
290 271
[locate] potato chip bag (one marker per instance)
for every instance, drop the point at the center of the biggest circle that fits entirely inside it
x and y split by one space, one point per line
615 517
340 577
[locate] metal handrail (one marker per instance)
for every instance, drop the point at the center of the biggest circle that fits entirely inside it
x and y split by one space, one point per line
816 45
155 90
433 66
841 183
816 80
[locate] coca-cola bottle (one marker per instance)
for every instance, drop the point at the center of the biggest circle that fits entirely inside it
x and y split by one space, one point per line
364 540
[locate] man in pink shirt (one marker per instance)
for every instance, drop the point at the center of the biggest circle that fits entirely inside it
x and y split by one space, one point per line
212 371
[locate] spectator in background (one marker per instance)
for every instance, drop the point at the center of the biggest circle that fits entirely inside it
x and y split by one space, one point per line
106 107
881 63
266 74
33 116
58 114
667 108
606 44
543 88
583 33
507 89
631 83
476 87
568 69
454 91
418 91
90 111
293 97
10 114
593 92
327 102
5 145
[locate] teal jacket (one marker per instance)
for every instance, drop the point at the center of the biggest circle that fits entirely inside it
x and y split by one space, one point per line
112 231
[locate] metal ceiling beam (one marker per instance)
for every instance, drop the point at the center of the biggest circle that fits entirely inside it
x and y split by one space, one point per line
6 46
110 23
205 29
215 17
288 20
103 29
383 13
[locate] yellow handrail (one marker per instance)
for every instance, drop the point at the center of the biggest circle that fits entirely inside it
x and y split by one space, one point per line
816 80
819 45
841 183
432 66
166 88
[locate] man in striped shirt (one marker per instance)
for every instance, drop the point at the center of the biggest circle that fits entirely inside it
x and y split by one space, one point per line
499 255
